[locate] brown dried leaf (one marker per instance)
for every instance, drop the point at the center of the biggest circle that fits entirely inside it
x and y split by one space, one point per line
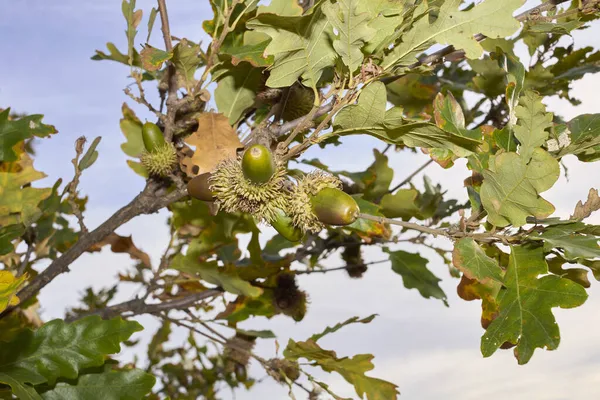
215 140
585 210
122 244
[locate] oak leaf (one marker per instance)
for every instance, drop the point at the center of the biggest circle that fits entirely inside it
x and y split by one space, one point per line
215 140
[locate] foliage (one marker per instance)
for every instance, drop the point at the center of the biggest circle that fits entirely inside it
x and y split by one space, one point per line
290 75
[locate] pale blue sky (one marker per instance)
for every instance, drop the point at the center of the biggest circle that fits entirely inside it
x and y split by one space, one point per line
430 351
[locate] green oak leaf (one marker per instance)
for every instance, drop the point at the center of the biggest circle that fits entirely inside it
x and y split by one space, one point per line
351 369
251 53
526 303
337 327
569 237
474 263
131 126
584 137
285 8
7 235
532 125
454 27
352 30
511 187
61 350
301 46
385 16
186 59
369 117
236 90
415 275
132 384
14 131
115 55
153 58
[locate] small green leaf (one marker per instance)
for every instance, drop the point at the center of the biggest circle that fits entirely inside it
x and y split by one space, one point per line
584 137
133 18
7 235
368 229
116 55
113 385
474 263
91 155
14 131
337 327
569 238
151 19
526 303
131 127
415 275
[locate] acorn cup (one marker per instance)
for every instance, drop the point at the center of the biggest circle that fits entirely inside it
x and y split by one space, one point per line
258 164
199 187
334 207
284 225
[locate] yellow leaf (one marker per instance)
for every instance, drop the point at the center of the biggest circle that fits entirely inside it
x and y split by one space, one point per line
19 204
9 285
215 140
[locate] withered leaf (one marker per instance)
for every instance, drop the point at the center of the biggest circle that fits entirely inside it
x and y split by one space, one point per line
122 244
215 140
585 210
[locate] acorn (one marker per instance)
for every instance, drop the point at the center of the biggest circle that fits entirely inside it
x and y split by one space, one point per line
280 368
258 164
152 136
298 102
199 188
311 210
234 193
288 299
284 225
334 207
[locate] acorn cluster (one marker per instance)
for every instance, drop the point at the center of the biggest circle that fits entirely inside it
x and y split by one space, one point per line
256 183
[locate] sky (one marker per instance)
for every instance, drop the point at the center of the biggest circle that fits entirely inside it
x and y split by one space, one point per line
428 350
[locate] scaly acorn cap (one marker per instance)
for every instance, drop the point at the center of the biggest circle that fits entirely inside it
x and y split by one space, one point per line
298 102
152 136
235 193
161 160
199 188
285 226
258 164
334 207
300 207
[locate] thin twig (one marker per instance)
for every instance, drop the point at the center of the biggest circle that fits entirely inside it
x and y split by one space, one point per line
410 177
345 267
25 260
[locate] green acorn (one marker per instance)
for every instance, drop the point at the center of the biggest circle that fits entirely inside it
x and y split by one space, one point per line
285 226
258 164
152 136
300 204
298 102
334 207
199 188
161 160
235 193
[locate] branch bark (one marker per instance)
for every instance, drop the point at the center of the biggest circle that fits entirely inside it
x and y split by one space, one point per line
144 203
139 306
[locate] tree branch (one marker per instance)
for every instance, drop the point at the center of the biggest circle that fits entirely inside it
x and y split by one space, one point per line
409 178
172 100
139 306
144 203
